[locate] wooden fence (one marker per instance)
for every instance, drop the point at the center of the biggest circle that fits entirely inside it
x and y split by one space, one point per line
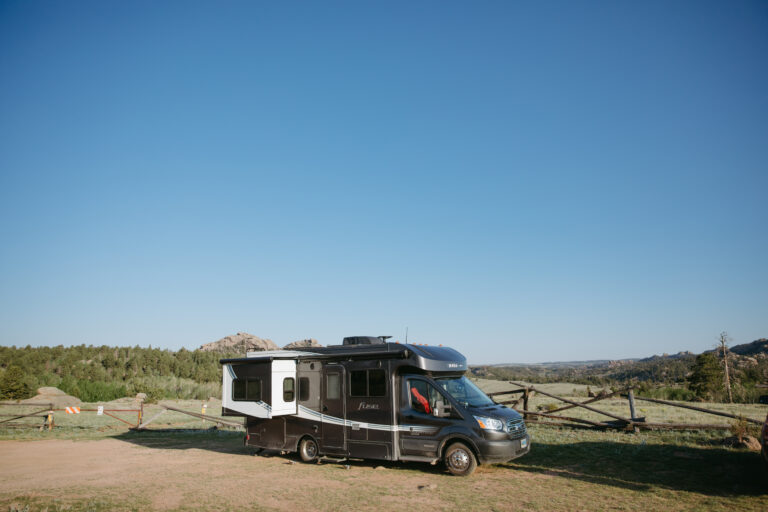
47 413
42 410
631 423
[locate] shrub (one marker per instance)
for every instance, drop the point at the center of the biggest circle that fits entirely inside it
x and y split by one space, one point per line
740 428
154 395
88 391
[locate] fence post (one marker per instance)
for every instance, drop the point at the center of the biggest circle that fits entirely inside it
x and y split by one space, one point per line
141 414
50 420
632 415
525 402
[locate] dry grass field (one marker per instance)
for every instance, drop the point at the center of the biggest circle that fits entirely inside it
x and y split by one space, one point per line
91 463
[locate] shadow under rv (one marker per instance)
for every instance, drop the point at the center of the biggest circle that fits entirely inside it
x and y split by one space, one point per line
370 399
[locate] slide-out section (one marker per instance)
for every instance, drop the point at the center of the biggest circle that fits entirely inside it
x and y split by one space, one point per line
262 389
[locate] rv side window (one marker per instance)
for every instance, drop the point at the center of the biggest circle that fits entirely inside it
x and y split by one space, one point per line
423 396
333 386
303 389
288 387
253 391
246 389
358 383
377 383
238 389
367 383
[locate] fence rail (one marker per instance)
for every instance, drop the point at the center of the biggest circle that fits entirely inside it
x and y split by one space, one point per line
619 422
47 411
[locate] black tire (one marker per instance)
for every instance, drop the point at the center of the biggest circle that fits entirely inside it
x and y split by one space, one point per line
460 460
308 450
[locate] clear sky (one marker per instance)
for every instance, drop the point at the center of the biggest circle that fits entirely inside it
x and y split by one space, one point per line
523 181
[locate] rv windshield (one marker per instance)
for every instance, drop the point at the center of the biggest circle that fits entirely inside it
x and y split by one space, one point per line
464 391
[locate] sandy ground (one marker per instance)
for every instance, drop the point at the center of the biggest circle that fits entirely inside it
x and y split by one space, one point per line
217 476
213 471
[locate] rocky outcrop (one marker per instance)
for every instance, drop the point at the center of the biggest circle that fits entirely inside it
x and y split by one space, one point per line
240 342
751 349
302 344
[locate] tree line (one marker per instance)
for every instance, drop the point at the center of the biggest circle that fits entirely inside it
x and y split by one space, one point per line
105 373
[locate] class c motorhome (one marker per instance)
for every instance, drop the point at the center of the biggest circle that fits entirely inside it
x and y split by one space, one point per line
371 399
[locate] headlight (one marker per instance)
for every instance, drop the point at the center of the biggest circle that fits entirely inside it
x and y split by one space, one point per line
489 423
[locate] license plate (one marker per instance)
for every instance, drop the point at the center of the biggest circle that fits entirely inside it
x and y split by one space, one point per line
523 443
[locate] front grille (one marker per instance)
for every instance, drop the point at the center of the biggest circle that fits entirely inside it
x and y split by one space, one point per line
516 429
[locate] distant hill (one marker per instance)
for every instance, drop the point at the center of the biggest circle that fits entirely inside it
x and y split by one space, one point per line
749 349
679 355
666 368
560 364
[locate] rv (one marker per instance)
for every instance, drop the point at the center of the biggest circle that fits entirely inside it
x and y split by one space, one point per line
371 399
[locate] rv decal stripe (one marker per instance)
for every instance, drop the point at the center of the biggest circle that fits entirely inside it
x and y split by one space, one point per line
309 414
256 409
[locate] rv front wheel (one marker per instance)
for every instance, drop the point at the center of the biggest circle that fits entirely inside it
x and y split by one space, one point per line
308 449
460 460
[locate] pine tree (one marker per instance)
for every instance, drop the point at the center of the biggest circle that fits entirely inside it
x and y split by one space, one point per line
13 385
706 377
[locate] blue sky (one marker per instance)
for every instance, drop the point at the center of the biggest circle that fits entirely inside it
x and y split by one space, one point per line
523 181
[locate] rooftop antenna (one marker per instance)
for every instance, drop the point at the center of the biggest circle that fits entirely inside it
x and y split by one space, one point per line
406 334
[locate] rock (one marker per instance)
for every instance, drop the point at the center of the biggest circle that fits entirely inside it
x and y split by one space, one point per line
751 443
302 344
428 487
748 442
140 397
379 468
240 342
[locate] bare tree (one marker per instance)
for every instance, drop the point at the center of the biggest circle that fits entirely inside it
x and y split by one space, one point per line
724 338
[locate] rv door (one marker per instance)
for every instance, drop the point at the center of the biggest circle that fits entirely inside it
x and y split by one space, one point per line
333 409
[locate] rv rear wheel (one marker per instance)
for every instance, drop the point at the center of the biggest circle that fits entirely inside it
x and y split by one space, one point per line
460 460
308 449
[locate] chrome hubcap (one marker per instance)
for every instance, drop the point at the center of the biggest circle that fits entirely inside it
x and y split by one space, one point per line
459 460
311 449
